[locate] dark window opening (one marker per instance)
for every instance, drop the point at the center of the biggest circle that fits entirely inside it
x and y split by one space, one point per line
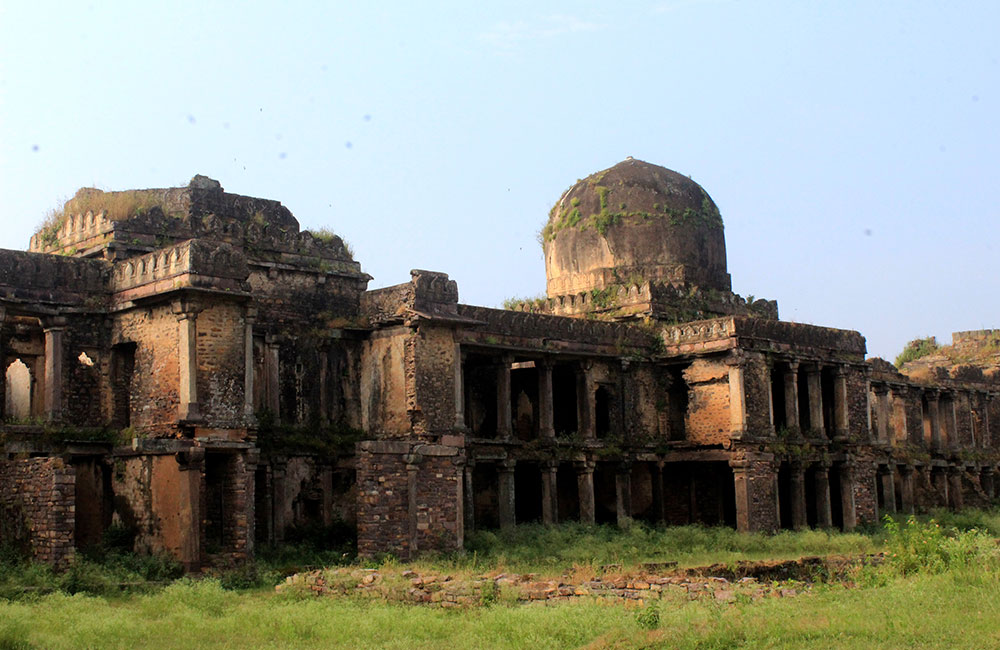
564 407
677 402
603 401
804 411
486 498
527 492
524 402
785 496
778 372
122 372
568 487
827 380
605 493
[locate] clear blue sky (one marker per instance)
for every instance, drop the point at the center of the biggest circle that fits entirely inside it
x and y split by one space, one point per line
852 147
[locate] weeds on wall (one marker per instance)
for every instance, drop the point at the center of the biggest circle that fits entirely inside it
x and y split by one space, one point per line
917 349
333 440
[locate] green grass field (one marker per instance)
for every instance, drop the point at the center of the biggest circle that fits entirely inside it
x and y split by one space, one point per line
938 588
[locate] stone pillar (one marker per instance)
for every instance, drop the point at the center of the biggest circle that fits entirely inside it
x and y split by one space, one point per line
191 464
850 516
824 516
951 422
885 475
939 480
792 396
272 365
3 365
585 402
899 424
546 427
906 489
504 430
187 353
815 389
658 501
933 414
882 413
459 388
324 385
798 496
469 495
986 480
248 388
585 488
505 473
737 403
955 498
54 329
550 493
278 513
413 501
841 425
755 483
623 494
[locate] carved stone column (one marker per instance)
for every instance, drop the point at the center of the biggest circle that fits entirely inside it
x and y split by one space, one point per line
585 402
248 388
459 388
933 414
469 495
824 515
585 488
623 494
54 328
815 389
987 481
955 498
841 425
3 364
906 489
882 413
505 472
546 426
755 486
798 496
656 469
885 475
737 403
850 517
550 493
792 396
272 365
187 352
504 429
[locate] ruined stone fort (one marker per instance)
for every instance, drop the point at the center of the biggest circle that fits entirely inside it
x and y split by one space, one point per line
189 365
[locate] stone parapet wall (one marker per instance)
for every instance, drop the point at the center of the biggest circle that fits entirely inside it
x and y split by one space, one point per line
50 279
37 507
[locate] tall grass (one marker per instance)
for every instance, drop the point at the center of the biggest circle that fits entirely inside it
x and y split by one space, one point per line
537 548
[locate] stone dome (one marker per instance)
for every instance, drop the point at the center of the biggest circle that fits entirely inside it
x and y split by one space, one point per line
634 223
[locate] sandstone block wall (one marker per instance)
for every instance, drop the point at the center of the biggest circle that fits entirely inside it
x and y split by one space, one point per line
708 419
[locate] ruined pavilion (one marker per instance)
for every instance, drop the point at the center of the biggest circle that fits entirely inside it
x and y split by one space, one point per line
187 364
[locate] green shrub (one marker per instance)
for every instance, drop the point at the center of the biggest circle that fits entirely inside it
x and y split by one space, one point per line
916 349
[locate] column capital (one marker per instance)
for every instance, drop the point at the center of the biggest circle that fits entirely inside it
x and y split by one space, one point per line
507 465
185 308
584 466
53 323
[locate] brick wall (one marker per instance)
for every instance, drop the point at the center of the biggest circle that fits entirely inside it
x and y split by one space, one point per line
156 378
37 505
409 498
221 358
